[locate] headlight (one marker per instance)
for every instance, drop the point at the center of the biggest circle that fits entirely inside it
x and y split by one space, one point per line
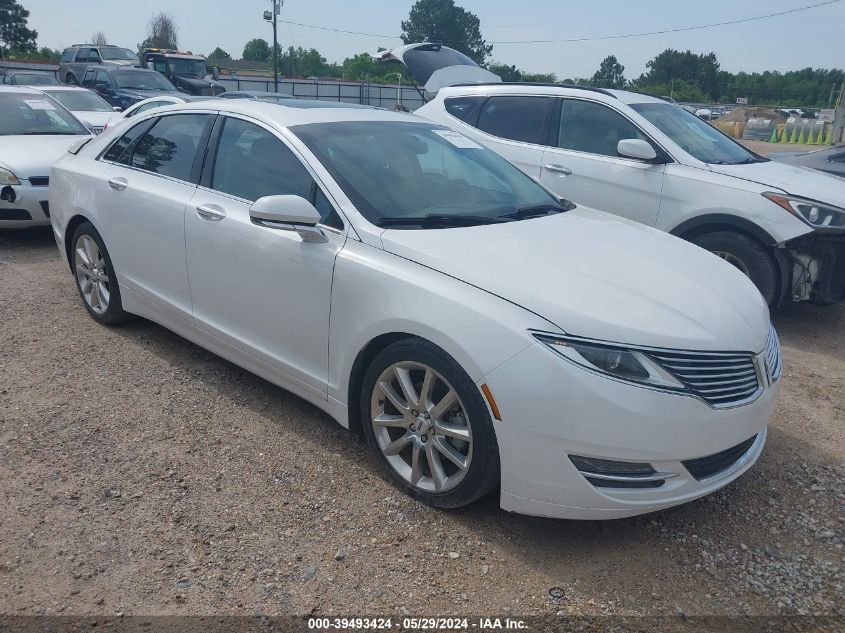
816 214
625 364
8 178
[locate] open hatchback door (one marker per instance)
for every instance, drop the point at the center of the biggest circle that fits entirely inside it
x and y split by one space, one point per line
434 66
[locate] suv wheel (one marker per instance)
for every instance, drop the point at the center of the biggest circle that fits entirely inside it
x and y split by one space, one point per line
70 80
426 422
749 256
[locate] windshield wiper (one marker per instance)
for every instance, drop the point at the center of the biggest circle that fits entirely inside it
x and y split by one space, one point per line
440 220
537 210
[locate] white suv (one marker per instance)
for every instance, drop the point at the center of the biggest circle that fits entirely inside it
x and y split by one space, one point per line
652 161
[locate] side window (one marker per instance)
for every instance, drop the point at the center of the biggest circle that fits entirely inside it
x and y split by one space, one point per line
170 146
117 152
516 118
81 55
586 126
149 106
464 108
93 56
67 56
101 79
252 163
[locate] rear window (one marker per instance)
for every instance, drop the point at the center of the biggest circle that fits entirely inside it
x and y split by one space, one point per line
464 108
516 118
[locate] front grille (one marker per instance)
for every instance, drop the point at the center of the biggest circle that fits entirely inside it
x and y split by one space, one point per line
40 181
772 356
721 379
704 467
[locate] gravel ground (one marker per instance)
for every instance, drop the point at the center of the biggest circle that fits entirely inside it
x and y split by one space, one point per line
140 474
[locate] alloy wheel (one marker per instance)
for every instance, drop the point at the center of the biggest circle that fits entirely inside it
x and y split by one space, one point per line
91 274
733 260
421 426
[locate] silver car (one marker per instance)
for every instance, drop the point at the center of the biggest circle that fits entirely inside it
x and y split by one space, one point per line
75 59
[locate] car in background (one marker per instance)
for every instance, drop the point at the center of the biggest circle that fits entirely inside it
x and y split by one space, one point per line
27 78
183 69
416 286
85 105
827 159
77 58
704 113
35 131
651 161
257 94
154 102
123 87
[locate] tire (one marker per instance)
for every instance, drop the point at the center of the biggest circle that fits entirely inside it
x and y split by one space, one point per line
463 430
749 256
94 276
70 80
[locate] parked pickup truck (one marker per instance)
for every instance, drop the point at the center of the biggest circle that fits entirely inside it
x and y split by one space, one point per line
186 71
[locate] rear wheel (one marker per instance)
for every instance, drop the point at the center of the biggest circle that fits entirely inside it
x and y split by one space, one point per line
94 276
70 79
748 256
428 425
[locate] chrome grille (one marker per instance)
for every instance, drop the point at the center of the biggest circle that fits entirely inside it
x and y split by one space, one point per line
722 379
772 356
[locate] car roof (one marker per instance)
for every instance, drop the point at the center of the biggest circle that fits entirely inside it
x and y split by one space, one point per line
527 88
62 87
20 90
298 111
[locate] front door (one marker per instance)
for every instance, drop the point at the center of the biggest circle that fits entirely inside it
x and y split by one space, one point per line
263 291
582 164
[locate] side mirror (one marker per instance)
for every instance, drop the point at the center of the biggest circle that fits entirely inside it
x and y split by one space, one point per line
636 148
215 73
118 109
288 213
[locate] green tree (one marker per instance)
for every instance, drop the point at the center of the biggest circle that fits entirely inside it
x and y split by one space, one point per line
542 78
256 50
442 22
306 63
14 34
219 53
699 70
507 73
611 74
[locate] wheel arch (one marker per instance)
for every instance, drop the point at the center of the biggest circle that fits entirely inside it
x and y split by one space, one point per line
70 229
365 356
712 222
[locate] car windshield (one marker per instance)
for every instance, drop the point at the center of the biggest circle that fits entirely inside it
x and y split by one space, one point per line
80 100
35 79
118 54
179 66
31 114
140 80
418 175
694 136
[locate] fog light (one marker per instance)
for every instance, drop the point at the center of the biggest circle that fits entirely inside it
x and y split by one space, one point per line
597 466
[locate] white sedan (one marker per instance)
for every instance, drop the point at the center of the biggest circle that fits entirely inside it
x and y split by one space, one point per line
481 333
34 132
89 107
153 102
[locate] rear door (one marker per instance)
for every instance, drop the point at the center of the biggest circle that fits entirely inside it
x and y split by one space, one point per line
153 174
582 163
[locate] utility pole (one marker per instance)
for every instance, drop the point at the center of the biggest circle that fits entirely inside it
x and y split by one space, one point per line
273 16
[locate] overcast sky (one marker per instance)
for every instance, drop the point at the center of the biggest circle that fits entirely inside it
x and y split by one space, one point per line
810 38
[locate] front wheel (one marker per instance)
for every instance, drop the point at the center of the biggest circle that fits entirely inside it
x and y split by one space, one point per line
94 276
747 255
426 422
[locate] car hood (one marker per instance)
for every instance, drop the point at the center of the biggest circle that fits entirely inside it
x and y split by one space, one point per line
121 62
96 119
598 276
799 181
145 94
32 156
434 66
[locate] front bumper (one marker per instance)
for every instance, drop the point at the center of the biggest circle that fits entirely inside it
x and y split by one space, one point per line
552 409
30 207
817 265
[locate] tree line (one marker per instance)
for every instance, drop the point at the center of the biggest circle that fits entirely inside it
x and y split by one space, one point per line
683 75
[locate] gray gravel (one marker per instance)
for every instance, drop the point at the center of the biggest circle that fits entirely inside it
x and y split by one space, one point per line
140 474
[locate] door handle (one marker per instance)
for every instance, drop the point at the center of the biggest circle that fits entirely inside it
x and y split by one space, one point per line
210 213
118 184
558 169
